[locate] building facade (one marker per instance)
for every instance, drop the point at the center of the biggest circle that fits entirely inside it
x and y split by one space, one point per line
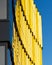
27 34
25 38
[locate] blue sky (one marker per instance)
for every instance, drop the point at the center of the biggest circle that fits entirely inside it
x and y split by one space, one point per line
45 9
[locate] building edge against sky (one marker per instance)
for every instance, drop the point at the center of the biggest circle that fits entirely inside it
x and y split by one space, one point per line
27 41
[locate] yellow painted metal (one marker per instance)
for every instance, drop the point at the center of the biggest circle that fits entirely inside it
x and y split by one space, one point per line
31 46
31 15
38 55
38 50
40 30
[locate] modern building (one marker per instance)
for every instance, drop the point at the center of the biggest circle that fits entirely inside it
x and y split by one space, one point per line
26 45
4 31
27 34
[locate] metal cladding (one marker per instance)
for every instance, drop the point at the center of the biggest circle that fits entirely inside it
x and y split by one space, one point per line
27 34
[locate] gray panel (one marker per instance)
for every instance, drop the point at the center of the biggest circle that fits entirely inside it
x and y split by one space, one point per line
4 31
3 9
2 55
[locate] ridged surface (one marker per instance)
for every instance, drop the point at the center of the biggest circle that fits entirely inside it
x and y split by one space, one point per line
27 46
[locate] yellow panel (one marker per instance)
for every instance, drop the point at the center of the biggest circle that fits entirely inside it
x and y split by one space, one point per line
30 14
23 36
38 55
15 47
40 30
23 58
27 60
34 20
29 42
23 4
21 27
32 17
27 9
33 49
36 24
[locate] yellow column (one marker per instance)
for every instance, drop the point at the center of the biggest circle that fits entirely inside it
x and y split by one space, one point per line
40 36
34 20
36 45
31 15
40 30
34 31
38 53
